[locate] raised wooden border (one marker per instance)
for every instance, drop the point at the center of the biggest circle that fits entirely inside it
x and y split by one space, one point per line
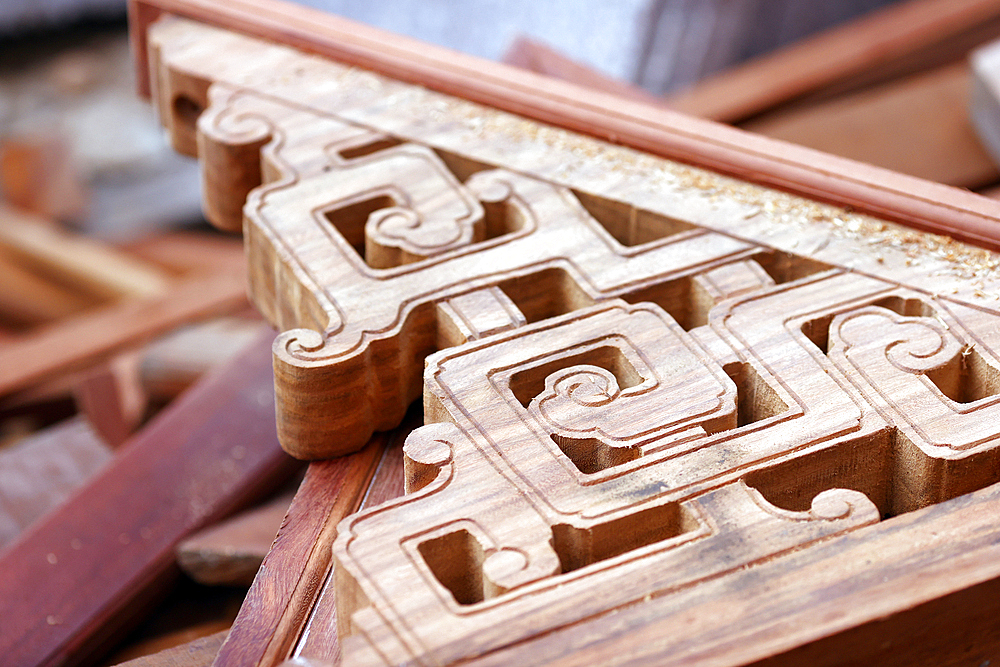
912 201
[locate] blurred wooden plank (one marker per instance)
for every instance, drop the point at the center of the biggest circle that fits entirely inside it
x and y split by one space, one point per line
901 39
198 653
918 126
173 362
192 252
230 552
27 300
112 398
37 174
40 471
83 575
88 338
95 267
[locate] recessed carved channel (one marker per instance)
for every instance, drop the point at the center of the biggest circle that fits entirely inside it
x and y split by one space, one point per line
629 225
545 294
580 547
457 559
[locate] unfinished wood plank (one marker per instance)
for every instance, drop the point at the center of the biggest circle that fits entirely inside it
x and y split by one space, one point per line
29 300
230 552
80 577
902 39
918 126
78 260
41 470
197 653
803 171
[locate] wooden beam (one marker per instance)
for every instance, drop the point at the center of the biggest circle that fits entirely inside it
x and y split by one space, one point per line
928 206
41 470
296 568
87 339
95 267
83 575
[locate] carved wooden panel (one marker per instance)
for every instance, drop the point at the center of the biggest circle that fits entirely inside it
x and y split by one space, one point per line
641 380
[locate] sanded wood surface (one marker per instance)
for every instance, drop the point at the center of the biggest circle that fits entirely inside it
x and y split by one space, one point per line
82 575
661 132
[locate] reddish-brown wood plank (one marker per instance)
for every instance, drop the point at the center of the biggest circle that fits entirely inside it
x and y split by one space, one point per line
297 565
883 193
83 574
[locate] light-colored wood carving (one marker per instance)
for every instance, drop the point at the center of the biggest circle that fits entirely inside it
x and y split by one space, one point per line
641 381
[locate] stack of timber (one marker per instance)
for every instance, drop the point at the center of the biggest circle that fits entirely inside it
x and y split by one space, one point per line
136 408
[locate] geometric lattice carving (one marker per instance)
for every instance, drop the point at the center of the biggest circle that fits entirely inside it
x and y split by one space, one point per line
634 386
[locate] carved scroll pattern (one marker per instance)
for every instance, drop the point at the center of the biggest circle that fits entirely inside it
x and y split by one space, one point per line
613 423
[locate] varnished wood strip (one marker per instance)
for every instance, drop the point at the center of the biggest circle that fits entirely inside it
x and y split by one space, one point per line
299 561
87 339
901 39
83 575
905 199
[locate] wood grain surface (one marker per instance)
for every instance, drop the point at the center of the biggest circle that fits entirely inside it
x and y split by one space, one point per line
656 399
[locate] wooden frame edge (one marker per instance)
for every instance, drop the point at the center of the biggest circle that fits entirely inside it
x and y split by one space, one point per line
912 201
